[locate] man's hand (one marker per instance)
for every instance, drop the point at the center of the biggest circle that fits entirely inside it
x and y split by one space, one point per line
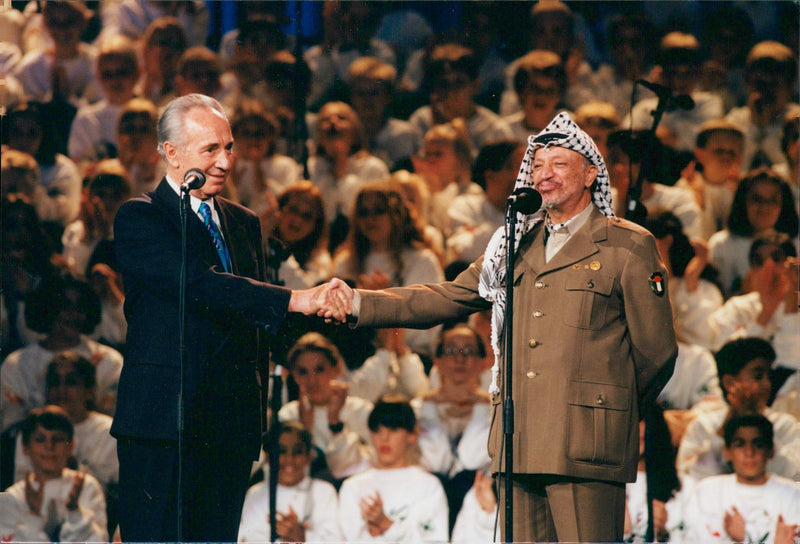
332 300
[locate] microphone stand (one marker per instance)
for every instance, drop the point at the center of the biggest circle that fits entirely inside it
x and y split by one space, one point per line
635 211
273 450
508 402
185 209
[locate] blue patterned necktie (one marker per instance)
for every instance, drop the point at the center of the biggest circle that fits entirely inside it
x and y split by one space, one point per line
216 236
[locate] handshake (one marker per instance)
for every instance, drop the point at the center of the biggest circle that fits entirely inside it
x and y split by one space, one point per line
332 300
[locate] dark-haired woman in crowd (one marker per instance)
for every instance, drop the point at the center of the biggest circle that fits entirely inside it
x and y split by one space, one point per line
303 233
763 201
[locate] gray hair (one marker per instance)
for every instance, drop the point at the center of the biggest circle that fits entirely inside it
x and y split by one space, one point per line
170 124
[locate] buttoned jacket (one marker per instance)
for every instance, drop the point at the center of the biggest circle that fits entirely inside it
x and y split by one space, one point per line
592 342
225 314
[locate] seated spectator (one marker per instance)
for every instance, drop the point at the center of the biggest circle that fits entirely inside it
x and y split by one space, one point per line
476 520
445 164
762 201
21 179
60 178
386 247
27 254
415 191
301 259
768 309
163 43
790 145
693 290
341 165
631 41
64 70
679 61
306 508
348 34
553 27
715 175
103 196
630 154
93 135
743 366
132 18
393 370
52 503
540 83
752 504
396 501
259 173
337 421
653 501
65 311
371 88
770 74
598 120
454 418
727 35
258 41
70 384
138 145
286 84
474 217
451 78
199 71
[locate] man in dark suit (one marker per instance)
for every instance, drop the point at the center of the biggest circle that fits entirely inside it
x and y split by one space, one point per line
593 341
185 462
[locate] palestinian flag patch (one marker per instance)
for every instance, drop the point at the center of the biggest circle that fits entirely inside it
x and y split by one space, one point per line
657 283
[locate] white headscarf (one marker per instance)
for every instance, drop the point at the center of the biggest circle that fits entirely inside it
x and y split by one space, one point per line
561 132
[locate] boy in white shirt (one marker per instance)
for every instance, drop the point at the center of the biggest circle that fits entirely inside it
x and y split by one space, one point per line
395 501
750 505
306 508
52 503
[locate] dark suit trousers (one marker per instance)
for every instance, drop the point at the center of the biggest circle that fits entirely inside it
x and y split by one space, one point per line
214 482
549 508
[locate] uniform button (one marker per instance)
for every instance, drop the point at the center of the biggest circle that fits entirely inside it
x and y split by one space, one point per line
531 374
600 400
533 343
539 284
537 313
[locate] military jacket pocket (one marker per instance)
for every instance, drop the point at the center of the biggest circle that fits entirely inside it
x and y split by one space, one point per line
598 419
587 297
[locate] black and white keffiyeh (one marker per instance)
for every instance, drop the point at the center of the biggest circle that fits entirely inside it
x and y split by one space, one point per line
561 132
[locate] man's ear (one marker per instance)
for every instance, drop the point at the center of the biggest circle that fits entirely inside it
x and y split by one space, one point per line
171 154
590 173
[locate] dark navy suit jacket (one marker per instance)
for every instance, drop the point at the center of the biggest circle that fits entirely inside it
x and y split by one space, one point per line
226 314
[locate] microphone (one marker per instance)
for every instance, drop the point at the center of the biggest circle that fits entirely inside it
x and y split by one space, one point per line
681 101
524 200
193 179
